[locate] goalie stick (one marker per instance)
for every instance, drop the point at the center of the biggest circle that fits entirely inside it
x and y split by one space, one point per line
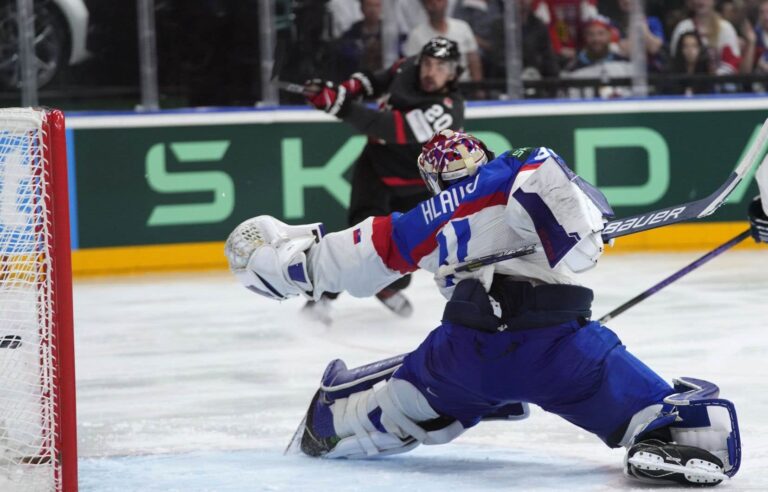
691 210
642 222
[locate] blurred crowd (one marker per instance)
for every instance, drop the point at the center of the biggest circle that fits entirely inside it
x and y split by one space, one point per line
209 51
561 39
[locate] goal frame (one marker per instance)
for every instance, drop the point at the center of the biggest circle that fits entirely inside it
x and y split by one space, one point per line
55 153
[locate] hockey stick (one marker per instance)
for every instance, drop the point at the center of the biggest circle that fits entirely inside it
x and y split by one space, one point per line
691 210
291 87
675 276
295 88
477 263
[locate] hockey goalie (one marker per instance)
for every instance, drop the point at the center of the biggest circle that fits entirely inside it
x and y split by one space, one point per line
513 333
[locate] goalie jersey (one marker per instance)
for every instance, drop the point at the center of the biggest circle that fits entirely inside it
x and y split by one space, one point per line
524 197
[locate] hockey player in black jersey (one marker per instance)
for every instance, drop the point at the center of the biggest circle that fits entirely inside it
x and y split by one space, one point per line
417 97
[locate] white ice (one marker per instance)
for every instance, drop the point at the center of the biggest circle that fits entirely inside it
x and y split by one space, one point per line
190 382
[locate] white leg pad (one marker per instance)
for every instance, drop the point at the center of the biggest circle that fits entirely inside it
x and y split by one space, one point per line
402 406
713 438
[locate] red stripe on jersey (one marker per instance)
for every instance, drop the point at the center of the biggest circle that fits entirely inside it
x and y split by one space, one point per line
399 127
465 209
530 167
395 181
385 246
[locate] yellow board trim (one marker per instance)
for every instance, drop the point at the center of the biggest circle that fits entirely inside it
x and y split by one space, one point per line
154 258
209 256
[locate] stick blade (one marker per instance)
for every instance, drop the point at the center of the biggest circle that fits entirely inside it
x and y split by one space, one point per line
294 446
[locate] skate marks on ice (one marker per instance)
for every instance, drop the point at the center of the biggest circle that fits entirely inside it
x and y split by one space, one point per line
427 470
190 382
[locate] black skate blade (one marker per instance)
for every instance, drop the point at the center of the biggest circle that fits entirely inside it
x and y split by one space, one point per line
294 447
397 303
319 311
695 471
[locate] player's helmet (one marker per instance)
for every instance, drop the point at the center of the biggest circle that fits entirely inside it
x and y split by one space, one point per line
450 156
446 50
441 48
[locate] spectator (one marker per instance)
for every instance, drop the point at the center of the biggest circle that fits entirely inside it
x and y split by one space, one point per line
344 13
734 11
653 35
690 59
675 11
411 13
597 60
761 33
481 15
718 35
454 29
360 46
565 20
598 36
539 59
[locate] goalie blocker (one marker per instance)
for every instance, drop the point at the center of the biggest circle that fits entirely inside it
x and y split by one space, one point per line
758 208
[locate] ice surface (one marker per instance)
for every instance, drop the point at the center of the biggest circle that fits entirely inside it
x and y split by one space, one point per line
190 382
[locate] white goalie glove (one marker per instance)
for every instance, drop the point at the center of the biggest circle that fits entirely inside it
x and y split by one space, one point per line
269 257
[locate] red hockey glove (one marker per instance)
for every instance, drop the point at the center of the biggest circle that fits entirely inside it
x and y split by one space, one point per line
358 85
324 95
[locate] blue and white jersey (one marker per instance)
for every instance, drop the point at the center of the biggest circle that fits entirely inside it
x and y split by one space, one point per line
524 197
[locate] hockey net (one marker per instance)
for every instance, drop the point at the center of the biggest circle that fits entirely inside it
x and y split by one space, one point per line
37 416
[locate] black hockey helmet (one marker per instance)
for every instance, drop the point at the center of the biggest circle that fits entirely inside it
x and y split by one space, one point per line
441 48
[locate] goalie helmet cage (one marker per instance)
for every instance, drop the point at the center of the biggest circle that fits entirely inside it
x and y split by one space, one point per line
38 441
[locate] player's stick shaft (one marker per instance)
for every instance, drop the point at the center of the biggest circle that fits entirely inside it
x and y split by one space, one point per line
294 88
675 276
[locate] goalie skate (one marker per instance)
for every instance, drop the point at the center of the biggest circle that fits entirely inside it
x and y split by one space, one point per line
318 311
294 447
396 302
658 462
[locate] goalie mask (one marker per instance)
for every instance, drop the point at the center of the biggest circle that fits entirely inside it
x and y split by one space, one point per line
450 156
269 257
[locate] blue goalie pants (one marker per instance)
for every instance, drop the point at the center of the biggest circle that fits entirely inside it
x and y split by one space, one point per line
581 373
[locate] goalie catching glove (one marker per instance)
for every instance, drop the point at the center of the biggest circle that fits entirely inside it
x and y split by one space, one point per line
269 257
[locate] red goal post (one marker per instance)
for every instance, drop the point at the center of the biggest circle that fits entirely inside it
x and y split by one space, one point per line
38 436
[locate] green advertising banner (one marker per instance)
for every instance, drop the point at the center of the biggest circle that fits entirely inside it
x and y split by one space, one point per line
180 183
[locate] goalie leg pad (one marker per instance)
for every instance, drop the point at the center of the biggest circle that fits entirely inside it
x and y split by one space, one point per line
364 412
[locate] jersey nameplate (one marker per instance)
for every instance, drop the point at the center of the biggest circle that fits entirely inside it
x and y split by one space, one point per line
447 201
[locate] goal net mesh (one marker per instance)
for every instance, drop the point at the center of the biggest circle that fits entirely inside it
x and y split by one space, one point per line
28 400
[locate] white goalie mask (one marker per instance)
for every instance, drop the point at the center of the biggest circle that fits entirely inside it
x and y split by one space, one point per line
269 257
